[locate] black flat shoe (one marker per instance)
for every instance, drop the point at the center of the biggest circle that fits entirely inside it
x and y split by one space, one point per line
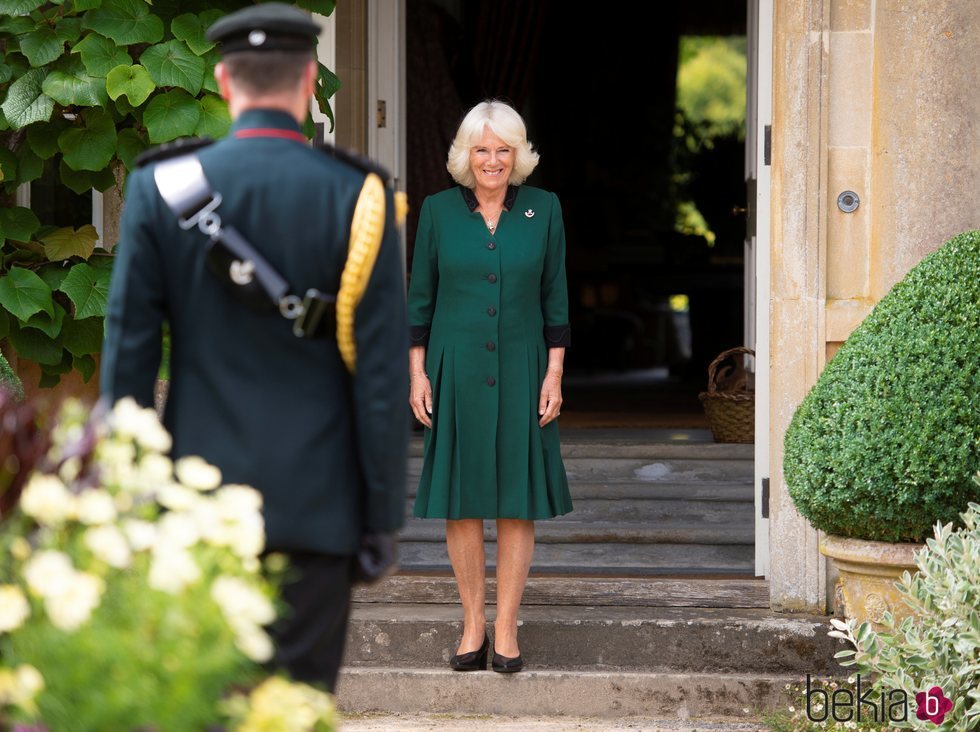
472 661
505 665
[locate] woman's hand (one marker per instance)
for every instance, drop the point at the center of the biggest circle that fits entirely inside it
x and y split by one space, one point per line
421 398
549 405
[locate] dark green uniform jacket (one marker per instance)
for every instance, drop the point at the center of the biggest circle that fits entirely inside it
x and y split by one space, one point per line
488 306
271 410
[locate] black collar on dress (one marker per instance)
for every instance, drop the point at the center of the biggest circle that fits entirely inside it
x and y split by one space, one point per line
470 197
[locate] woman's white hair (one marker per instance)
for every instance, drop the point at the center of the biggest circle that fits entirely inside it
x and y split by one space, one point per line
503 121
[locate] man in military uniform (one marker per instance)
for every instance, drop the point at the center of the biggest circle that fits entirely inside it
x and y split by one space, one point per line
324 445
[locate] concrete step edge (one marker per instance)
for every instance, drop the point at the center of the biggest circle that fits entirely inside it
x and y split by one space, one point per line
602 532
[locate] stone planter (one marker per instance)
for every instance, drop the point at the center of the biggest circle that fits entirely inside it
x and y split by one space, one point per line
868 573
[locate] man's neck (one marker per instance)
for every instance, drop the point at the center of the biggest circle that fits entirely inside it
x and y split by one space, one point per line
296 108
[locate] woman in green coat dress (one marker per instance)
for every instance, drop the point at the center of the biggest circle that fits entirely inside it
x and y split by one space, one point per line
488 306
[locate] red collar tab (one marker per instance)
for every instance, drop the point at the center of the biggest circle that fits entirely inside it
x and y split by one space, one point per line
272 132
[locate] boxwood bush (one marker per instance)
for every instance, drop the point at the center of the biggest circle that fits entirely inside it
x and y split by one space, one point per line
886 442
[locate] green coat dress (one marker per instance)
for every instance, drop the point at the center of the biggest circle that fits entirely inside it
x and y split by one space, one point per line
487 308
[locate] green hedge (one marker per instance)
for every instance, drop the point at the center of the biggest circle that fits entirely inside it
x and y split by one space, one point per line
887 441
9 380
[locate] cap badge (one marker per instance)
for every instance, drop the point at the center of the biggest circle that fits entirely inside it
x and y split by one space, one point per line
256 38
529 213
241 273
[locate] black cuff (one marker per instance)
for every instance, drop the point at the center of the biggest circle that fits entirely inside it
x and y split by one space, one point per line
558 336
418 335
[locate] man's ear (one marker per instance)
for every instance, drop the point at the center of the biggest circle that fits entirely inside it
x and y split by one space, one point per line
309 77
223 79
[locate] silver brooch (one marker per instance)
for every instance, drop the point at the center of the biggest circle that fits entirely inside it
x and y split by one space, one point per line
529 213
256 38
241 272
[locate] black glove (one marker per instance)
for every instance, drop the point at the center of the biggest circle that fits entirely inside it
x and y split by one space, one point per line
376 559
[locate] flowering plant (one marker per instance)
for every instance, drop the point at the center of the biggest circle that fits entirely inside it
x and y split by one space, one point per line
132 594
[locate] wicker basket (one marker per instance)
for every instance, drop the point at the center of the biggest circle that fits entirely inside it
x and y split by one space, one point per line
729 403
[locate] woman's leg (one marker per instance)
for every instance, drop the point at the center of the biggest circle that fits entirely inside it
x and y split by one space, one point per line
464 539
515 547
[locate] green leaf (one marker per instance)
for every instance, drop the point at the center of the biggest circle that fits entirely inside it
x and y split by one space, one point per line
125 22
128 145
47 324
88 289
45 44
70 84
19 7
211 59
100 55
215 120
327 84
8 165
29 166
53 275
134 82
18 223
23 293
323 7
90 147
68 242
4 324
43 138
26 103
81 181
33 345
171 115
82 337
174 64
6 73
86 4
85 365
191 28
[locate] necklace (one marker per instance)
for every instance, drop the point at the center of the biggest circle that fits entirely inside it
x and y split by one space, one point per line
491 224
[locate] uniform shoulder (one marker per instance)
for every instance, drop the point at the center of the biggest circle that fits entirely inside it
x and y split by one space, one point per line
172 149
362 164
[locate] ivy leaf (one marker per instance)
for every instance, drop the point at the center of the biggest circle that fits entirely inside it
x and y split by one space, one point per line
53 275
29 166
85 365
171 115
82 181
8 165
191 29
33 345
132 81
45 44
100 55
128 146
26 103
323 7
19 7
88 289
47 324
18 223
174 64
82 337
68 242
23 293
87 4
70 84
125 22
92 146
211 59
43 138
215 120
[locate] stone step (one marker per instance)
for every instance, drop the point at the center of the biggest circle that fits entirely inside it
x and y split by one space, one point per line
619 490
573 530
461 722
595 591
604 559
602 639
565 694
646 511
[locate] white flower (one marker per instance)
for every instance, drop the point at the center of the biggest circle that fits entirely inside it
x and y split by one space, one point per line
178 529
141 534
241 603
71 609
238 500
70 469
172 569
194 472
96 506
141 424
156 469
48 573
20 548
47 499
177 497
14 608
255 643
108 544
248 537
29 681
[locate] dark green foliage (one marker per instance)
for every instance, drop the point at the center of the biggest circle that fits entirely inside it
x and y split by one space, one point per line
887 442
9 380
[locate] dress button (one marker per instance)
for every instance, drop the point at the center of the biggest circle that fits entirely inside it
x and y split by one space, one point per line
491 381
491 346
492 245
491 311
491 278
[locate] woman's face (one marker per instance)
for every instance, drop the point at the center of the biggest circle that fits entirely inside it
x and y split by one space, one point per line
491 160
